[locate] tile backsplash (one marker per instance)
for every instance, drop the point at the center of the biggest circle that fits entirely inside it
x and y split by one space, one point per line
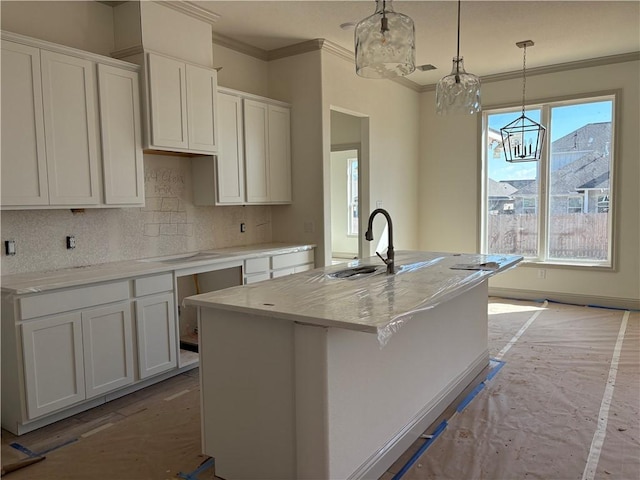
168 224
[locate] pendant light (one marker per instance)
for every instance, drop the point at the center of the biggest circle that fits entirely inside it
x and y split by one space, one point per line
385 43
458 92
522 139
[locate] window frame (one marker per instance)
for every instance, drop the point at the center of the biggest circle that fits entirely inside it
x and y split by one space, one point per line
543 175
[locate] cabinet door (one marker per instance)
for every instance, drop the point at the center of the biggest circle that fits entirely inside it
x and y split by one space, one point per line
53 363
71 129
122 165
256 151
168 90
156 334
230 161
107 338
279 154
202 85
24 168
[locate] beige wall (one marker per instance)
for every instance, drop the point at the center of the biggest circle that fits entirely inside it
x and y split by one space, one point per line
241 72
297 80
450 179
392 149
84 25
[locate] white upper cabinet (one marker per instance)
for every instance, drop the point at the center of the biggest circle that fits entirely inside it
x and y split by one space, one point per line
71 130
256 144
24 180
267 152
71 134
279 154
182 106
122 164
253 164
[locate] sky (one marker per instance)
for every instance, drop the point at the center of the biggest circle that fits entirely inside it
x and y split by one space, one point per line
565 119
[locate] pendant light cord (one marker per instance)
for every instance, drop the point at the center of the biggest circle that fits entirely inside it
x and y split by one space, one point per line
458 50
524 76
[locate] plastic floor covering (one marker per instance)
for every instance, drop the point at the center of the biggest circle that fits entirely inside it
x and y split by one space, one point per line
563 404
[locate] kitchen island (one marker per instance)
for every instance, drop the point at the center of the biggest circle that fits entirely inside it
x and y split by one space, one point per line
334 372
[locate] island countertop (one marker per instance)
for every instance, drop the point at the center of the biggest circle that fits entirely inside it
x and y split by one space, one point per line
376 303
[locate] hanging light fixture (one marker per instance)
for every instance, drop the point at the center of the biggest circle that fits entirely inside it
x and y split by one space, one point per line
522 139
385 43
458 92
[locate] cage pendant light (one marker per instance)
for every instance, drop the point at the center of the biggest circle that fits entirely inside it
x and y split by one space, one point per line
385 43
522 139
458 92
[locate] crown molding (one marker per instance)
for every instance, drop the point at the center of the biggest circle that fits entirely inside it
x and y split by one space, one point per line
558 67
192 9
240 47
297 49
127 52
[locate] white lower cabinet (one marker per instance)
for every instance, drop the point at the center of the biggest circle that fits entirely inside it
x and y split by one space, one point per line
274 266
72 357
53 364
66 350
156 333
107 339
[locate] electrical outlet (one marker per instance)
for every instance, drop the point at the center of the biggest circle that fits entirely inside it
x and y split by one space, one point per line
10 247
379 204
243 228
71 242
542 273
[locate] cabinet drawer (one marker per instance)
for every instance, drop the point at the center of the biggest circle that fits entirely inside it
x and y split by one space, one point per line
256 265
72 299
283 272
256 278
155 284
292 259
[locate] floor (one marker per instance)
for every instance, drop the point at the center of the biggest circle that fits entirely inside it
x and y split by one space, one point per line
561 400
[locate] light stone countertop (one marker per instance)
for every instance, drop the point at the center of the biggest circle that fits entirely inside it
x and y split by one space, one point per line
32 282
378 303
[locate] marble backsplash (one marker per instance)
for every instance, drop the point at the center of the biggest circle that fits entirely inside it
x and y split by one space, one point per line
168 224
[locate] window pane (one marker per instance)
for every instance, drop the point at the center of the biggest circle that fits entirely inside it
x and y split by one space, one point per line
352 196
579 173
512 194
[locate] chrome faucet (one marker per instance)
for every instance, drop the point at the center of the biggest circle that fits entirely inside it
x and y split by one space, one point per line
369 236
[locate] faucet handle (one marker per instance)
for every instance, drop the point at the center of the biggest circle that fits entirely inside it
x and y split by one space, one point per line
385 260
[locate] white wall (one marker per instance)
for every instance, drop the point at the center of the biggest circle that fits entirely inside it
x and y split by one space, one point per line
450 179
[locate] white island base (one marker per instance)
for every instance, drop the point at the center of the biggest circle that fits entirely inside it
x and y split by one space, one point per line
286 400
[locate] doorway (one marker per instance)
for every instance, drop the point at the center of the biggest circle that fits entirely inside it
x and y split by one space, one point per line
345 211
348 184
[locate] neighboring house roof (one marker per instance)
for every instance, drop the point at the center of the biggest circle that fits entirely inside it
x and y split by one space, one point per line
588 168
500 189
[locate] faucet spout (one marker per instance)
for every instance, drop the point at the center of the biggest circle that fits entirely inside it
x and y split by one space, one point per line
389 261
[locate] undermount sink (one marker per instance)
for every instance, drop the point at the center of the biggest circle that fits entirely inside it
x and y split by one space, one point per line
353 273
365 271
188 257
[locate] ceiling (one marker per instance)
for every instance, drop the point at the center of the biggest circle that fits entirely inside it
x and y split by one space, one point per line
563 31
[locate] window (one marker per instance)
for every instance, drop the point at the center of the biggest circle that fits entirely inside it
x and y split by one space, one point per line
352 197
561 204
574 205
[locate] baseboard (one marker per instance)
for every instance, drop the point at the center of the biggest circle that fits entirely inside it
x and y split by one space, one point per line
569 298
376 465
